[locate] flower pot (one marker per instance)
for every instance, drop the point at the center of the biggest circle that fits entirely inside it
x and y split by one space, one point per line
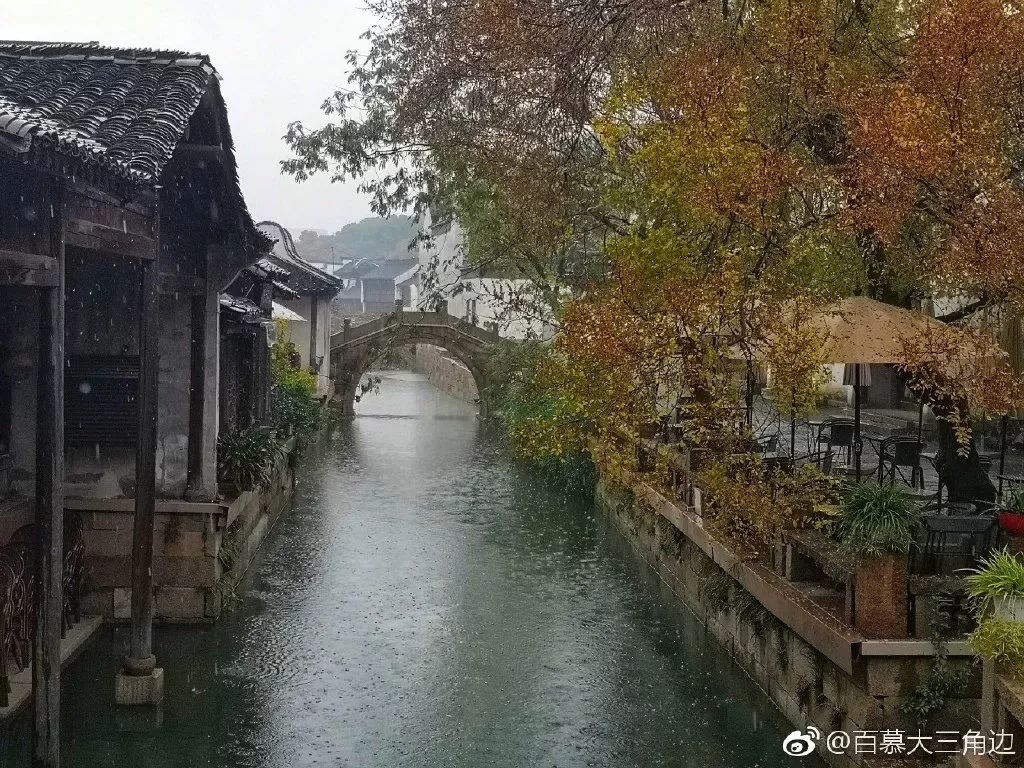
880 597
1009 608
1012 523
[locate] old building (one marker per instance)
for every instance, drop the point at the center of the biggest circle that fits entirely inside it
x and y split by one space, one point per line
121 221
309 323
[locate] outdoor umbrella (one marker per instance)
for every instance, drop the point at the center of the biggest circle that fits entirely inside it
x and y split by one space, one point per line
860 331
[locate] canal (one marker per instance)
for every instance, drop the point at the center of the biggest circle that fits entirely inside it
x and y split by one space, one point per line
431 604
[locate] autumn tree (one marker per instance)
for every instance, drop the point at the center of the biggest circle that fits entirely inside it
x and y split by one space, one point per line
721 169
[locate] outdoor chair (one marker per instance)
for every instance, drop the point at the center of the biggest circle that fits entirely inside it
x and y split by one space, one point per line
947 543
899 454
837 434
7 587
821 459
74 569
768 444
18 633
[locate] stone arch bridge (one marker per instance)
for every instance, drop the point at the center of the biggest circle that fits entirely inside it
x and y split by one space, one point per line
355 349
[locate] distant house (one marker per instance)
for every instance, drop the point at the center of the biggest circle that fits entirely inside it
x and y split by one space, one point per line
470 294
371 287
309 309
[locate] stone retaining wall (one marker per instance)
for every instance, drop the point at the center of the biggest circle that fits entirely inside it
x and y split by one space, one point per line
803 683
200 550
445 372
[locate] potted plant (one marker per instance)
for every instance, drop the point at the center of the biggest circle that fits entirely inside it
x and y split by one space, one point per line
245 459
997 590
997 586
1011 512
878 524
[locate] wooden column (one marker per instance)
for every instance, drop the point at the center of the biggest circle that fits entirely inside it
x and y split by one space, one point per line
141 660
199 486
49 598
313 309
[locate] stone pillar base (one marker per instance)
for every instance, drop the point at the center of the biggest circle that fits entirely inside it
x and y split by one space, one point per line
139 690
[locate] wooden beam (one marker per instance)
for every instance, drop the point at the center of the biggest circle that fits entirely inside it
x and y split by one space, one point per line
49 556
187 285
96 237
140 659
141 206
29 269
208 153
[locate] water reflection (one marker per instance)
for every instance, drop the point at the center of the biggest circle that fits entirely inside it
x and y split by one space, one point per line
428 603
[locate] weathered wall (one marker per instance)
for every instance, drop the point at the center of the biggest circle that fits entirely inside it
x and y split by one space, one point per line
806 686
22 337
445 372
299 332
200 552
109 471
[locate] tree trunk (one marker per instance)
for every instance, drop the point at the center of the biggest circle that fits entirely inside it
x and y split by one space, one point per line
960 473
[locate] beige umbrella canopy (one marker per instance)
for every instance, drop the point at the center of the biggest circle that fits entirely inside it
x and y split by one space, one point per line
862 330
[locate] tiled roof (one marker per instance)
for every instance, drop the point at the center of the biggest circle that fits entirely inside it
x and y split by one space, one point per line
355 269
389 270
119 110
245 309
122 109
305 278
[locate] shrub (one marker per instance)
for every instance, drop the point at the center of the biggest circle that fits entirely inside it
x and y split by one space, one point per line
1000 575
295 410
246 457
1013 501
1001 641
877 520
750 506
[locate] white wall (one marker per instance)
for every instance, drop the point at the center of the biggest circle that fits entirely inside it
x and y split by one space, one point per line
299 333
478 294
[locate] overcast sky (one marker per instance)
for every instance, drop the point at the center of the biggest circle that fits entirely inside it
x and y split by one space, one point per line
278 61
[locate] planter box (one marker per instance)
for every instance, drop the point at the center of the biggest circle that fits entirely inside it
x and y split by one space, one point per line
880 597
1009 608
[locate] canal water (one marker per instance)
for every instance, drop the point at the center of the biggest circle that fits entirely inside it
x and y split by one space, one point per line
429 603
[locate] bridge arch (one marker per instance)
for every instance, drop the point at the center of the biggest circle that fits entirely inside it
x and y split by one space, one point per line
355 349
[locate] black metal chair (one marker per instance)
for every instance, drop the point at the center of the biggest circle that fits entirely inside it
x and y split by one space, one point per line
947 543
897 454
837 433
768 444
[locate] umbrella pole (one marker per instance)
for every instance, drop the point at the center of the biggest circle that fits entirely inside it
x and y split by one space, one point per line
856 418
792 425
920 420
1002 445
750 394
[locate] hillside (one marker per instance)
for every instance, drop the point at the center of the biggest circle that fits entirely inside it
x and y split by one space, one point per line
373 237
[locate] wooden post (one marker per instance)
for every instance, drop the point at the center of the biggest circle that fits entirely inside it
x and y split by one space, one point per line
140 682
197 392
49 600
313 309
141 649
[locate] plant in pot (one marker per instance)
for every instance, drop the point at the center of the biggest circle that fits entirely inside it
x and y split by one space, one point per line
878 524
1011 512
996 588
246 457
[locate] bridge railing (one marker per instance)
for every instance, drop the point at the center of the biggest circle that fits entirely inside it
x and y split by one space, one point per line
353 334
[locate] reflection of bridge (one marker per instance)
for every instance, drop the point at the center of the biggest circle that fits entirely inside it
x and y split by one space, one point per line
355 349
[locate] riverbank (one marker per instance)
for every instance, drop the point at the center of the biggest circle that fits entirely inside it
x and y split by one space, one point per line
816 669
